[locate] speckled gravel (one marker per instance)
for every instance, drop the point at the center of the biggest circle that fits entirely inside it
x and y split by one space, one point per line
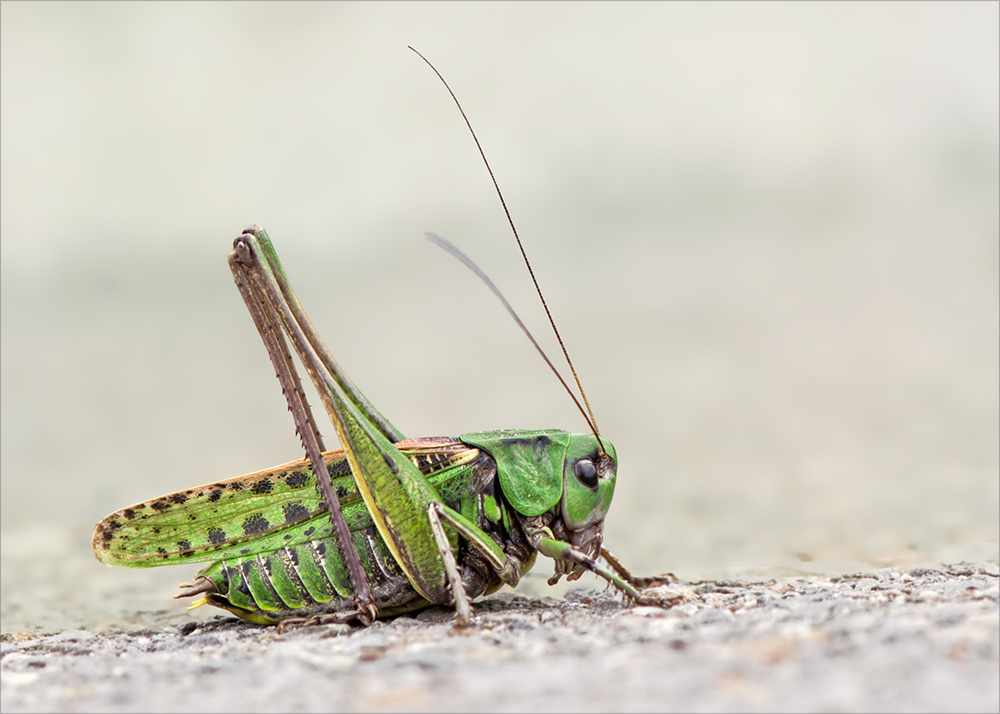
923 640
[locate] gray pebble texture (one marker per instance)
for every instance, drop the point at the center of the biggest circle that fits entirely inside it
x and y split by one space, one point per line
887 640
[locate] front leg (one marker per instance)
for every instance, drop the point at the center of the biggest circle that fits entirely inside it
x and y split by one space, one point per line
508 568
463 611
546 544
636 580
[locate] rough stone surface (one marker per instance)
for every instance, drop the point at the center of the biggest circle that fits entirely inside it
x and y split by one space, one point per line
923 640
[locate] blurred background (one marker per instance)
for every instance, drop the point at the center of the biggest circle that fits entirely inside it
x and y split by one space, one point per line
768 232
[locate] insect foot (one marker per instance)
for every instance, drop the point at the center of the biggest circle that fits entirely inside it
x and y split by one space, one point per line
666 600
344 617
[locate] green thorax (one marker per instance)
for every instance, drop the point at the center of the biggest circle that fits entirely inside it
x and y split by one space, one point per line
539 468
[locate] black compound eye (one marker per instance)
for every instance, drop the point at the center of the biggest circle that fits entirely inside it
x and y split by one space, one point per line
586 473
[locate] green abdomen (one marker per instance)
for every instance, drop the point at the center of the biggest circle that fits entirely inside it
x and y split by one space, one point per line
308 579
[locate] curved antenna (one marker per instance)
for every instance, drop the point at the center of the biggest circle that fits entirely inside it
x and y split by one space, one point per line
448 246
591 421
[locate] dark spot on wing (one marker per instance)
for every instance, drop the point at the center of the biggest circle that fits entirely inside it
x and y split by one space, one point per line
215 495
128 513
107 533
159 506
339 468
308 531
297 479
263 486
177 497
294 512
216 536
255 524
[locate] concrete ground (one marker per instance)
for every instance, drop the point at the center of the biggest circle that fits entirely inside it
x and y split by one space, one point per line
887 640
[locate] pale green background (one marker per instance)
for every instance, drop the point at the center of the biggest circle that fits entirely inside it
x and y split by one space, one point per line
768 231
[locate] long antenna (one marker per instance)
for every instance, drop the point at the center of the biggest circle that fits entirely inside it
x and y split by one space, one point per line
449 247
591 421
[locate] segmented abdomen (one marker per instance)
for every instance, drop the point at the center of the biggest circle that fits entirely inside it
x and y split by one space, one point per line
306 579
311 577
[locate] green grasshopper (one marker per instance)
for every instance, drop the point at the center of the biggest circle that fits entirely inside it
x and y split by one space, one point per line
385 525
